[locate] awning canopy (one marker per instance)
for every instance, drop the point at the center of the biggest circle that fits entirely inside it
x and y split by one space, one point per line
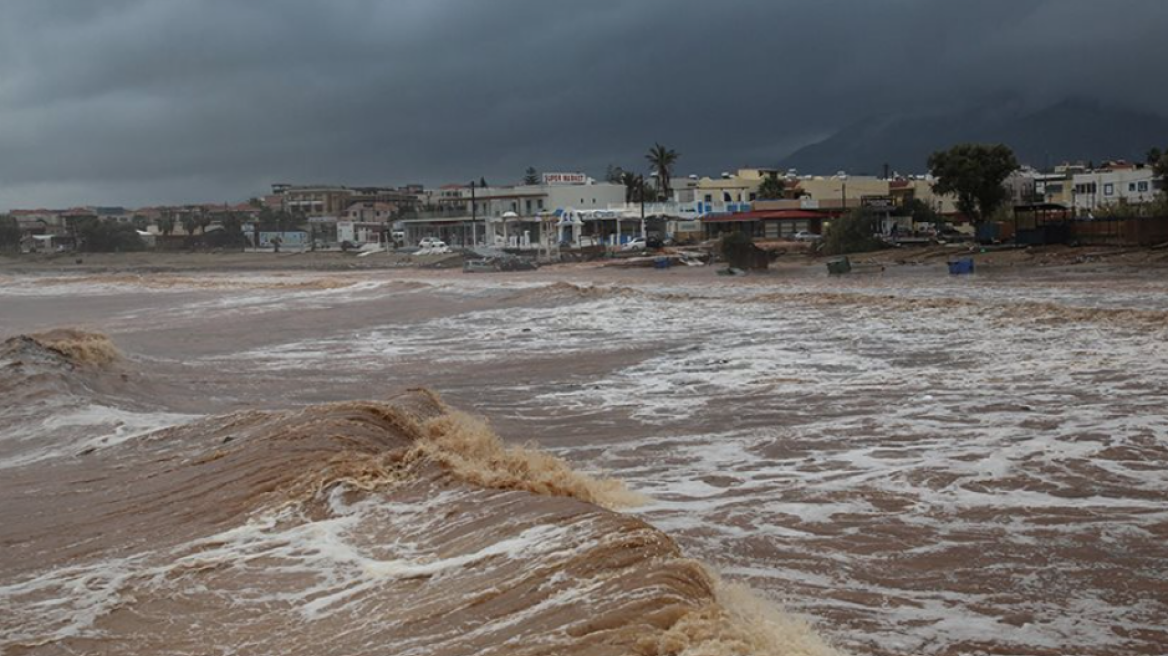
766 215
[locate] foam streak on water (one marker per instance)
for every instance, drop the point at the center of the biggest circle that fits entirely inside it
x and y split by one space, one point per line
922 465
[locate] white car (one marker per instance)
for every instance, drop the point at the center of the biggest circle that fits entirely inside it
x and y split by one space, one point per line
431 242
637 244
804 235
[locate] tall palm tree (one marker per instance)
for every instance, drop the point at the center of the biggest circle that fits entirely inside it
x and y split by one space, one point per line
662 160
632 183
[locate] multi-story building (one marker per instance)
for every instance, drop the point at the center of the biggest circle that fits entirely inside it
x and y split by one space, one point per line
314 200
1116 182
363 211
462 215
317 201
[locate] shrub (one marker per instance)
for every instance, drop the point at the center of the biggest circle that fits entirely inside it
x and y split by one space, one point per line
103 237
854 232
735 242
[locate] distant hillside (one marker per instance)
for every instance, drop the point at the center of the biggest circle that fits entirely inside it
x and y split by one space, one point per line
1068 131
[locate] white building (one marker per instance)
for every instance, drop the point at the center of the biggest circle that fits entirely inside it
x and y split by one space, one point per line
508 216
1127 183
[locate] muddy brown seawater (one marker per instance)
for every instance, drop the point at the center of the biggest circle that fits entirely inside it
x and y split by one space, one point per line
909 463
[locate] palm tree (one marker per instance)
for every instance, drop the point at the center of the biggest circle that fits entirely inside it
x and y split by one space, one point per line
636 187
662 160
632 183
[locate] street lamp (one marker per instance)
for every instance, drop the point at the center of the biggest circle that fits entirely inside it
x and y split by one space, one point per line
474 207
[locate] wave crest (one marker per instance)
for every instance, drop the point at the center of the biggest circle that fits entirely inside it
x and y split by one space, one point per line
78 347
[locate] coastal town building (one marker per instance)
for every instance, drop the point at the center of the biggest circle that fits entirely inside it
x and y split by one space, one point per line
1115 183
511 216
334 200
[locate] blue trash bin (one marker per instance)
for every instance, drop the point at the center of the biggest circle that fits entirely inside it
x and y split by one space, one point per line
961 267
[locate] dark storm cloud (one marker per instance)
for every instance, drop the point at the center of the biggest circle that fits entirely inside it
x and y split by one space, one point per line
137 101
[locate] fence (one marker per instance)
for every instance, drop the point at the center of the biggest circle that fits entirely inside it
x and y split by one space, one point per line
1121 232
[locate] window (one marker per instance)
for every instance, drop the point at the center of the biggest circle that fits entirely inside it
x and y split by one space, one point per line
709 198
1108 189
1131 186
1143 187
753 197
527 206
539 203
726 197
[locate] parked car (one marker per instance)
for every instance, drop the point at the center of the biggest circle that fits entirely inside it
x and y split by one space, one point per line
636 244
804 235
431 242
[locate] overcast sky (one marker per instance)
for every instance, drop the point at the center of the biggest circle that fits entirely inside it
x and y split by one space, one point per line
150 101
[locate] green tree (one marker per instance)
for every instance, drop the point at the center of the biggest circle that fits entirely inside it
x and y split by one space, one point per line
97 236
921 212
166 224
9 233
531 176
1158 160
231 236
188 223
637 188
733 242
140 222
662 160
772 188
614 174
854 232
203 220
974 173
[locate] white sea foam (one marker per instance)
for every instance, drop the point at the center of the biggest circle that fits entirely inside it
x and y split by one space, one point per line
51 431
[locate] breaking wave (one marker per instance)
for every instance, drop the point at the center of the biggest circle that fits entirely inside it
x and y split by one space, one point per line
401 526
79 347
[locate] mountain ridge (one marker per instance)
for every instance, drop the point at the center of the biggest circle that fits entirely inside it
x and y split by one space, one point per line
1070 130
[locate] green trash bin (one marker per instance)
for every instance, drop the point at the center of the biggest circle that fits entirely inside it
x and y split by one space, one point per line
839 266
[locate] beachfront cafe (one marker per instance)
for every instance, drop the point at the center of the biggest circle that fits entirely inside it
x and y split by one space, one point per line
766 224
608 228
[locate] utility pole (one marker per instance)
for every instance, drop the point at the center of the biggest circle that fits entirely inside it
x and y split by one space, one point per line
643 235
